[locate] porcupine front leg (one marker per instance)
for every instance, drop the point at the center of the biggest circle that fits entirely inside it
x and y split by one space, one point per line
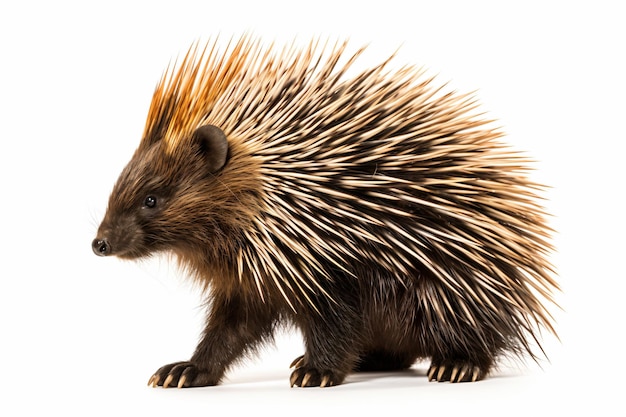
332 347
232 328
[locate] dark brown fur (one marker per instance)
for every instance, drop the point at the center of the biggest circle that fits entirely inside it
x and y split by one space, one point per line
356 310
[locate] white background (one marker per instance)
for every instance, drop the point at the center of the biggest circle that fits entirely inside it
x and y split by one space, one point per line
81 335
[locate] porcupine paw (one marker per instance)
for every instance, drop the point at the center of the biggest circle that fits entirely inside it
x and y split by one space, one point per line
181 375
308 376
455 371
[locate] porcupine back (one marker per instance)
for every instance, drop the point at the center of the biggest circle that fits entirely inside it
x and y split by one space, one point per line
372 177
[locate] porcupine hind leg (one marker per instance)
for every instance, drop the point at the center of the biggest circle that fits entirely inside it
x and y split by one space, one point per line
233 327
460 352
331 338
459 368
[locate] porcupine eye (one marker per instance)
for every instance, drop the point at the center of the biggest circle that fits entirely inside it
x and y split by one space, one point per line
150 202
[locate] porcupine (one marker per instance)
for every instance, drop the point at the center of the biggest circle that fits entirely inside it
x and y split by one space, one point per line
380 215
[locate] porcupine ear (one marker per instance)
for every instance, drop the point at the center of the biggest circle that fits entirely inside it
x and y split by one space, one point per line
214 146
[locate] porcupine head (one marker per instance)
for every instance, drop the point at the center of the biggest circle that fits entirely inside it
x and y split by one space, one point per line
388 226
169 197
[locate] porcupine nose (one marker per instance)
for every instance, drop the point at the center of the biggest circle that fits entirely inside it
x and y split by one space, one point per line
101 247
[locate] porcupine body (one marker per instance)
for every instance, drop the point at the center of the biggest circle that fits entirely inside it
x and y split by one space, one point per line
374 212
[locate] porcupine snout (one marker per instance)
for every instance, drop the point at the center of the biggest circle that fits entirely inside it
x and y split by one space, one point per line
118 236
101 247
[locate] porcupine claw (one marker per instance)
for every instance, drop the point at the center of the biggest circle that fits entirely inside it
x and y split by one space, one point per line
442 369
168 381
293 379
462 374
307 376
153 381
475 374
431 372
182 375
454 371
297 362
305 379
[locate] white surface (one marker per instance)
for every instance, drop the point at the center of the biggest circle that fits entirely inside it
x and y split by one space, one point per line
81 335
